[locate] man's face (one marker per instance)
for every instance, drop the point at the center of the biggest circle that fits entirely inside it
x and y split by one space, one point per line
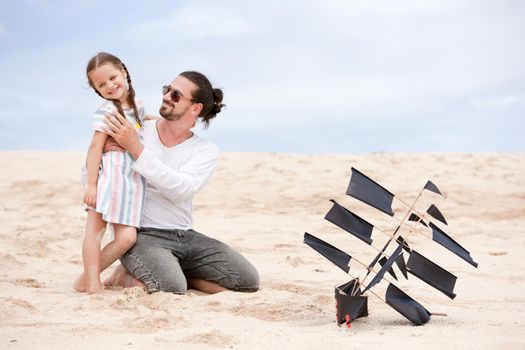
171 110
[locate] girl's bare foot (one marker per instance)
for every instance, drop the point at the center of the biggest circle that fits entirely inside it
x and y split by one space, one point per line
80 284
95 290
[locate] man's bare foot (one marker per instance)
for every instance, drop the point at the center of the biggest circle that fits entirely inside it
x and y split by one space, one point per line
205 286
122 278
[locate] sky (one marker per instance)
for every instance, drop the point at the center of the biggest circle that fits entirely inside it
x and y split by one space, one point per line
331 76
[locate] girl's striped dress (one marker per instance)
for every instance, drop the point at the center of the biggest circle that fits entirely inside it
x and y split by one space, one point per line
120 190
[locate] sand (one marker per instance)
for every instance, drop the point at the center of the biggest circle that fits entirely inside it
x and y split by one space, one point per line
261 204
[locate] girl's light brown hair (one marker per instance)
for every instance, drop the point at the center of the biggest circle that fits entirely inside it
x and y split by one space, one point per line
102 58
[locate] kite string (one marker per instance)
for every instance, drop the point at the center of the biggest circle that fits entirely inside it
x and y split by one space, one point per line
357 284
392 236
417 230
401 223
412 208
361 284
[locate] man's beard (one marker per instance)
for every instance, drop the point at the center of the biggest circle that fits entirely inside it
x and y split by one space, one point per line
172 115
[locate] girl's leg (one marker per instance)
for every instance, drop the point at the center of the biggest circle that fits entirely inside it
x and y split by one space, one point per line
125 237
89 281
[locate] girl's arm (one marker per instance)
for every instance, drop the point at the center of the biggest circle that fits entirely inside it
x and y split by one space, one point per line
94 158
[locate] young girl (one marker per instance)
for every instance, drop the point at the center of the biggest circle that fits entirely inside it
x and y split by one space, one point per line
114 192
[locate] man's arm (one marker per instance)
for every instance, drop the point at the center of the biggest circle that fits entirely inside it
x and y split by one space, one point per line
151 117
176 185
180 184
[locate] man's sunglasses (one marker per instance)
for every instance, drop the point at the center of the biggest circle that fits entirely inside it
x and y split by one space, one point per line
175 94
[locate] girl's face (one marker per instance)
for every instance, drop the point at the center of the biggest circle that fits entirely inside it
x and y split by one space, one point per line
110 82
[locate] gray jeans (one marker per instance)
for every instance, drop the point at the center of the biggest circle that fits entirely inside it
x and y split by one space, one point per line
164 259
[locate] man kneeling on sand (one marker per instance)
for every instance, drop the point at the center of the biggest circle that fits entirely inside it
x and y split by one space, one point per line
168 254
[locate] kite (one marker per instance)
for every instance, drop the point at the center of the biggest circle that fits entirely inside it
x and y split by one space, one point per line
352 297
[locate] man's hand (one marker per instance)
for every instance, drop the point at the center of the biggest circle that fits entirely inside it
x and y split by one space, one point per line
124 133
112 145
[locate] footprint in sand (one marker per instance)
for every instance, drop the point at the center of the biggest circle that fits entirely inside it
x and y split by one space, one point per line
148 323
284 245
21 303
296 261
8 258
213 338
499 253
293 288
28 282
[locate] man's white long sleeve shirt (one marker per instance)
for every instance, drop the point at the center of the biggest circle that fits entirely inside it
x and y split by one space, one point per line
173 175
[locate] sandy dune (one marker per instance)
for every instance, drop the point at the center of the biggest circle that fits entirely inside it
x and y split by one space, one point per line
262 204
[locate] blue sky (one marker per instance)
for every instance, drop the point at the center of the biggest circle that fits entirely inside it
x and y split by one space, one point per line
331 76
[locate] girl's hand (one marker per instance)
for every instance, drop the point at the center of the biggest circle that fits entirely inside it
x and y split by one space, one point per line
90 197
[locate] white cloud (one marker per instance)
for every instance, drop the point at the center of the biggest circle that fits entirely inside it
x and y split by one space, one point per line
291 63
28 106
350 59
498 102
196 20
